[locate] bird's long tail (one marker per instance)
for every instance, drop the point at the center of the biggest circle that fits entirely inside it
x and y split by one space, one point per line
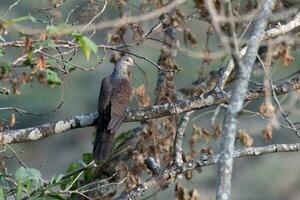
102 144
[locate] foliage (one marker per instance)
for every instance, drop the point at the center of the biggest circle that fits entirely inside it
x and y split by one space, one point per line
57 45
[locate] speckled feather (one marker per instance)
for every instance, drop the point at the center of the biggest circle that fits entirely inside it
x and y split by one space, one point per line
120 97
114 96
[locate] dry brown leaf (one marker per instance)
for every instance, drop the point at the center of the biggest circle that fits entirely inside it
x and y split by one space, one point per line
138 158
41 78
205 134
143 98
28 45
196 135
181 192
131 181
190 37
2 165
24 78
217 130
194 194
12 119
245 138
188 174
267 110
268 132
1 126
43 37
117 36
122 170
15 87
137 32
207 151
207 56
286 58
40 62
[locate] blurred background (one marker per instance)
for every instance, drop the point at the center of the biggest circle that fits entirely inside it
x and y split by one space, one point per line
273 176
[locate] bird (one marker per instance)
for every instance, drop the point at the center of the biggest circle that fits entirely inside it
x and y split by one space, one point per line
115 94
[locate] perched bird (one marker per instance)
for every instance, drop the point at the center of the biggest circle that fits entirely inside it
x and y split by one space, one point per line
115 93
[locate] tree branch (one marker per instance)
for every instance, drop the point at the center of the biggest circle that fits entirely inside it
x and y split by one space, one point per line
104 24
178 138
271 33
237 100
172 172
157 111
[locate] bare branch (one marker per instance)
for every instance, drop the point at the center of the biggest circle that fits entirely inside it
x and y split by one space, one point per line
157 111
21 111
171 173
280 30
236 102
178 138
105 24
283 29
10 7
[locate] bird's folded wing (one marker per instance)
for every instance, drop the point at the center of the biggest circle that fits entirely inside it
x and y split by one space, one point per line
119 100
105 95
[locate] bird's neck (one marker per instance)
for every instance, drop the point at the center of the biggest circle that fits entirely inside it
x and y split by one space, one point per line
120 71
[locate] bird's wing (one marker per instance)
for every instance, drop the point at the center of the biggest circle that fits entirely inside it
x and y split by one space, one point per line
104 102
103 140
105 94
119 100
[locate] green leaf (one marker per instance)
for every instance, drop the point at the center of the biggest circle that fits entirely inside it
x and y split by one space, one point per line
19 191
120 138
55 28
90 44
2 52
67 182
87 158
85 49
28 57
73 166
28 186
22 175
2 193
88 175
69 67
5 67
56 178
52 77
28 177
86 44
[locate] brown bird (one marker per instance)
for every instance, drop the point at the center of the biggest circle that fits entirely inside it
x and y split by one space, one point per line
115 93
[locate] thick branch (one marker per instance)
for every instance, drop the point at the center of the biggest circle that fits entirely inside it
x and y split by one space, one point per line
157 111
283 29
171 173
236 102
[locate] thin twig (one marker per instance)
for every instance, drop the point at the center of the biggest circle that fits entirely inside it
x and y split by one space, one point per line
173 171
179 137
22 111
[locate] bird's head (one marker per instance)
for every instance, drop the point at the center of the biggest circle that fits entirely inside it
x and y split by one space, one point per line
121 68
126 61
